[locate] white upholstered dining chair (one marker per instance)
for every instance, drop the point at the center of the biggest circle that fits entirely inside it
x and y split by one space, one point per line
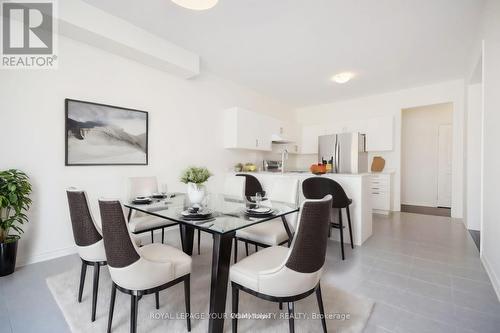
277 231
234 187
88 239
286 275
139 222
140 271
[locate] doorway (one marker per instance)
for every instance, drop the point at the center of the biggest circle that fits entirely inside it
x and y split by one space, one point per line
426 159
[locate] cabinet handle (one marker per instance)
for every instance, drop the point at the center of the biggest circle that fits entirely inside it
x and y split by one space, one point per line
375 193
281 130
375 188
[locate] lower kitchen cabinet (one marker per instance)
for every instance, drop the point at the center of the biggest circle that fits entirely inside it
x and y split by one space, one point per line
381 192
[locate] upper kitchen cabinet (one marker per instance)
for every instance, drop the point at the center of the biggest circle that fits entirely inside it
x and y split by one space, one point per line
309 139
284 131
245 129
379 134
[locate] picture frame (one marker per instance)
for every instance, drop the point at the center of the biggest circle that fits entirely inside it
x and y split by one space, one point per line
102 135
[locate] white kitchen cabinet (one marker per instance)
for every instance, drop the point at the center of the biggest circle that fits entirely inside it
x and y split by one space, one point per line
309 139
379 134
245 129
284 131
381 192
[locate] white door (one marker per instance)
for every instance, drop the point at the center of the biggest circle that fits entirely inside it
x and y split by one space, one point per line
444 166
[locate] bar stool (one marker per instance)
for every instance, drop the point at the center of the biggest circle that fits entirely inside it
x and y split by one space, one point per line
317 188
252 185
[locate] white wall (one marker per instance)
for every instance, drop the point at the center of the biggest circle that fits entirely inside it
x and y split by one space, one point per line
185 128
473 156
391 104
490 228
420 153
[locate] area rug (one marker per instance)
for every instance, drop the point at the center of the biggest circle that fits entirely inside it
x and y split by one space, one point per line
347 313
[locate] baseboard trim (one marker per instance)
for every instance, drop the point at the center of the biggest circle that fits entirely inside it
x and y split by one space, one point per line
381 212
27 260
495 281
23 261
422 204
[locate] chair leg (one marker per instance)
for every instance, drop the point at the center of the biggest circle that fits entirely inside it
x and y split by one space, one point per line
82 281
152 236
111 306
162 235
246 248
291 317
199 240
97 267
235 302
157 300
134 303
341 234
235 250
321 308
187 298
349 224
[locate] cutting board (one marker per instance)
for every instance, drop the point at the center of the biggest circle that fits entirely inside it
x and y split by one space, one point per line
378 164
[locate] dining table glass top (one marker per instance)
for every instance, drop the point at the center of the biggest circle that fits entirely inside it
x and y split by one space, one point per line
228 214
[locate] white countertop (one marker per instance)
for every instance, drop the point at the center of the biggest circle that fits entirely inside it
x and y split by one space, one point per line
306 173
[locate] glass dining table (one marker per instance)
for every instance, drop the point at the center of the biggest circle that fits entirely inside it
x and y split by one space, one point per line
228 216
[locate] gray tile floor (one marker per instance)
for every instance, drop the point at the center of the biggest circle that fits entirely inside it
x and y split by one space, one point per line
423 272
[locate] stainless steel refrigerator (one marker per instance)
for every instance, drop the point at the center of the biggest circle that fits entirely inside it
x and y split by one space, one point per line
345 151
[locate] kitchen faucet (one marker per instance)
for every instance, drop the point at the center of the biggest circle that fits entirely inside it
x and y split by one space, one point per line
284 156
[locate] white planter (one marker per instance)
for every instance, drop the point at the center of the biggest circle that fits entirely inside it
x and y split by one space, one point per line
196 193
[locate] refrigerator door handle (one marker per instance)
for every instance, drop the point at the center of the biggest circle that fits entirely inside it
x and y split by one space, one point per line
337 155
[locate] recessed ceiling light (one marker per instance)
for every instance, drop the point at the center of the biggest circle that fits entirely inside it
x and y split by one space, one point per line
196 4
342 77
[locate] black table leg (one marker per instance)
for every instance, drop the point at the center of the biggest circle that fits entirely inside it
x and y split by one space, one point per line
187 238
221 257
287 229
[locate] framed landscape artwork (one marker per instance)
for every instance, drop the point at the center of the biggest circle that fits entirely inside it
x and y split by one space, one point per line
99 134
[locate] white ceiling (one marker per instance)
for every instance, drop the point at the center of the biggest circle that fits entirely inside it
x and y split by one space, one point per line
288 49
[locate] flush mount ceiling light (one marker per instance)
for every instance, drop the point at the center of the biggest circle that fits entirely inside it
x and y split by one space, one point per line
342 77
196 4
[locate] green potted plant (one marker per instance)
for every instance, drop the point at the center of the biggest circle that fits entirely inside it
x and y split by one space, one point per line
195 178
15 189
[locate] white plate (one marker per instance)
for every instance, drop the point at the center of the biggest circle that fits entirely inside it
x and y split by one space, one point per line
260 210
200 213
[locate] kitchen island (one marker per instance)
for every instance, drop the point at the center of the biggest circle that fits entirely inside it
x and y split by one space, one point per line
357 187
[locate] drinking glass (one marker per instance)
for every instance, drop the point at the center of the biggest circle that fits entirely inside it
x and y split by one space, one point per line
164 189
258 199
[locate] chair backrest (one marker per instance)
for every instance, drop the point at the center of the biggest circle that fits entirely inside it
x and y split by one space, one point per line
308 250
252 185
318 187
234 187
142 186
85 232
120 249
284 189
